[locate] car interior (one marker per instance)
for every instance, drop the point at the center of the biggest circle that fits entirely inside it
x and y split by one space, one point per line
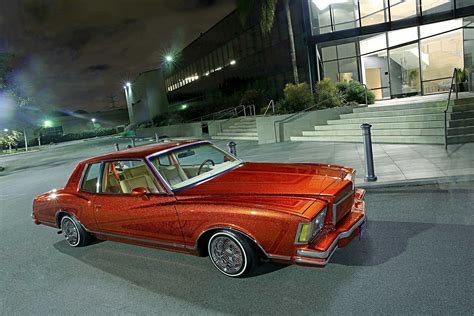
124 176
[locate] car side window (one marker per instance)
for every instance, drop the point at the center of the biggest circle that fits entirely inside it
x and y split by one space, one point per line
90 182
122 176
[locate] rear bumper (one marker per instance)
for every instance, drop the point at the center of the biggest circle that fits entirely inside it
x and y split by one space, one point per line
323 247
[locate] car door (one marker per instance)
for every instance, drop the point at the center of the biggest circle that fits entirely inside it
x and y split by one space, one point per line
150 218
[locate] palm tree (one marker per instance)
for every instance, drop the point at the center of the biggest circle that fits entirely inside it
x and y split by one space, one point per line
266 10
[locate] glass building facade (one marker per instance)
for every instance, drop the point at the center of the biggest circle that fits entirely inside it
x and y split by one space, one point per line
396 47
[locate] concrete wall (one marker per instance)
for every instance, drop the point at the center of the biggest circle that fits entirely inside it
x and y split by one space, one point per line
180 130
83 122
271 129
146 97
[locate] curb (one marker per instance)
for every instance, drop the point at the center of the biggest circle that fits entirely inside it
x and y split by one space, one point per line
416 182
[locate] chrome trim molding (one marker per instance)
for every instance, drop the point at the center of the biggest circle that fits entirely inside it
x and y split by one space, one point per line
142 240
334 206
234 230
316 263
333 246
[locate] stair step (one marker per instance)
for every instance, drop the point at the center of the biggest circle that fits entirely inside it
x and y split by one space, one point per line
237 134
461 115
375 139
236 137
398 125
391 119
461 122
406 106
469 138
380 132
239 130
457 131
463 101
421 111
244 125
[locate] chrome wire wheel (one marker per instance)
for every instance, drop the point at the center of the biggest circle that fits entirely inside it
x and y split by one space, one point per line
70 231
227 254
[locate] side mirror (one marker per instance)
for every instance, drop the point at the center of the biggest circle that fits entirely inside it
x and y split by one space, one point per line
140 192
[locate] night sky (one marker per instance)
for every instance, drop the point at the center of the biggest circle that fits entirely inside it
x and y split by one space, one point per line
75 54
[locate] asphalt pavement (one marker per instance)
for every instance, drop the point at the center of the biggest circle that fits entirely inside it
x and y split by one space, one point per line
416 258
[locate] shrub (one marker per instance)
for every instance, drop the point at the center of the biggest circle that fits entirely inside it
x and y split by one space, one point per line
254 97
327 95
354 92
298 97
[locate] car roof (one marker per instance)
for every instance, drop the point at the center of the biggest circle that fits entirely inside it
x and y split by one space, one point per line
143 151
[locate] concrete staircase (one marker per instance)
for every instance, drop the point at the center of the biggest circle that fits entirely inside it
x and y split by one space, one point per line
244 128
421 123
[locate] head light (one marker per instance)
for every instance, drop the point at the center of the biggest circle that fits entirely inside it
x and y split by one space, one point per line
307 231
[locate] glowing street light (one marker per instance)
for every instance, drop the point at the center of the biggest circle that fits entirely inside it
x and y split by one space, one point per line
128 84
5 130
233 62
93 120
169 58
47 123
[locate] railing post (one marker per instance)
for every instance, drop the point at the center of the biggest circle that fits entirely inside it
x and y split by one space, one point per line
369 157
445 130
157 139
117 148
133 142
366 92
232 148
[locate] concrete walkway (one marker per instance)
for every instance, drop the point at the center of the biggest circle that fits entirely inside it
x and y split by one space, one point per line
394 164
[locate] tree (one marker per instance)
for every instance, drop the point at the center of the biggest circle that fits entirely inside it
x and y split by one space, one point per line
266 9
10 139
8 88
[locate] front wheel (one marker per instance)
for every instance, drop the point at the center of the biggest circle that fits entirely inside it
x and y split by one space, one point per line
74 233
231 254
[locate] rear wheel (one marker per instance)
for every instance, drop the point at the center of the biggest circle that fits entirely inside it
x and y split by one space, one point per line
231 254
74 233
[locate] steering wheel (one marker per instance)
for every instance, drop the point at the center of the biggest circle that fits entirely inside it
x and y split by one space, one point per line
204 163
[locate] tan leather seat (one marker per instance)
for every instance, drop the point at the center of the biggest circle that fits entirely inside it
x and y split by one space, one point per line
135 171
143 181
174 174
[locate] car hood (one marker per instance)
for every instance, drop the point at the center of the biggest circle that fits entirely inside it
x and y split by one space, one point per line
271 179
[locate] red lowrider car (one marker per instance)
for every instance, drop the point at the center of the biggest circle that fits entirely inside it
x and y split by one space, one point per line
192 197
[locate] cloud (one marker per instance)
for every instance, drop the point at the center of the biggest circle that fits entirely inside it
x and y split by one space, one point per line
99 67
81 51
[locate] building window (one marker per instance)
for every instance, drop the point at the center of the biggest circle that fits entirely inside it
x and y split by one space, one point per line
405 70
372 12
402 9
439 56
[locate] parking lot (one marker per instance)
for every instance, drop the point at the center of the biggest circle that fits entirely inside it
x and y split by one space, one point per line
416 258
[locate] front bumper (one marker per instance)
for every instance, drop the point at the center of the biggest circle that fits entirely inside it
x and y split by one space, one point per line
319 252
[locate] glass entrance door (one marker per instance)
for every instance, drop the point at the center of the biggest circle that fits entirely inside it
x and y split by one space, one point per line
405 71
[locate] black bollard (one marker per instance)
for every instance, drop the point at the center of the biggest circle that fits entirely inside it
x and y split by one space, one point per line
369 157
232 148
117 148
133 142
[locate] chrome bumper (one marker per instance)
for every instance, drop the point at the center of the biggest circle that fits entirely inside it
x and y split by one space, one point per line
326 255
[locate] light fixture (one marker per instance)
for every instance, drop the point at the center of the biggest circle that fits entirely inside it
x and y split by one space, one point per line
5 130
233 62
47 123
128 84
169 58
93 120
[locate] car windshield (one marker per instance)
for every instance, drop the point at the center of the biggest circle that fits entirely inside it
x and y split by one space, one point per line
188 165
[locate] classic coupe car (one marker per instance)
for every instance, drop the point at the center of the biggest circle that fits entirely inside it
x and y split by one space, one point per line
194 198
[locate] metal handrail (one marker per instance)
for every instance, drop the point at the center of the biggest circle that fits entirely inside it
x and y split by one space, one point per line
272 103
295 114
454 79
